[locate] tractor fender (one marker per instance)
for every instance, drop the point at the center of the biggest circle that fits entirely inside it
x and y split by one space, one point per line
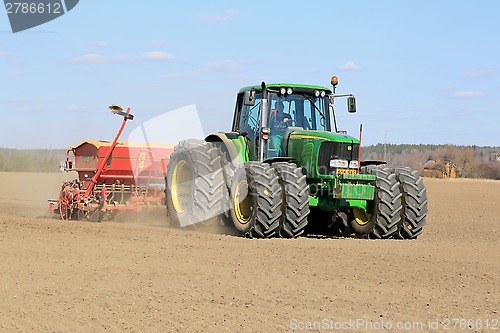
228 146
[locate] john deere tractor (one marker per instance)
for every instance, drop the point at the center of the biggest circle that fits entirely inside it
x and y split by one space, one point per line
285 169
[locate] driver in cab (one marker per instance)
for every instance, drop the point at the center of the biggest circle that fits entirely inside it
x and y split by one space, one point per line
279 121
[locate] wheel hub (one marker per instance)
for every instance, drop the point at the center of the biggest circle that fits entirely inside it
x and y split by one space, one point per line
181 186
242 202
360 216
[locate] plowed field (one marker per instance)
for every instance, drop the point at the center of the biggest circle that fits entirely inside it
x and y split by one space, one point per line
143 276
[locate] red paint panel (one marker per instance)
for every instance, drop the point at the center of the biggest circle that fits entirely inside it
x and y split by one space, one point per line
129 164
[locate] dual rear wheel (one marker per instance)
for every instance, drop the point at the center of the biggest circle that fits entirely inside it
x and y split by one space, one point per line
259 199
255 200
269 200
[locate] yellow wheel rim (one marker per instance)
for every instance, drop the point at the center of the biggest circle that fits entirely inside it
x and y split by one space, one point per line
360 216
181 186
242 202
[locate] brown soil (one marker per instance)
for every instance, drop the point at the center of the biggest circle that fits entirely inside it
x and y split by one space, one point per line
61 276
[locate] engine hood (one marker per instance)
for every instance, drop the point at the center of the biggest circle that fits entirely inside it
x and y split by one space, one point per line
321 136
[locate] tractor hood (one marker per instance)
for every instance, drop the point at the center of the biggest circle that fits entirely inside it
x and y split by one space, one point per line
321 136
313 150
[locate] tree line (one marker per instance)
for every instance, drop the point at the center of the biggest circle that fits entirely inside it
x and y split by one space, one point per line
472 161
31 160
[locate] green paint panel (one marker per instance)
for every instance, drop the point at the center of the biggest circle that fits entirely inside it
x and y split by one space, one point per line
363 204
240 143
330 204
313 201
355 191
322 136
361 176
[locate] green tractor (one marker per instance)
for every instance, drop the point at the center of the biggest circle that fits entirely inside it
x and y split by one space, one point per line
282 171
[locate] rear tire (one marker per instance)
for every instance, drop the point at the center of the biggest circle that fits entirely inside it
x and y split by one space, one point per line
255 194
384 216
194 184
414 200
295 194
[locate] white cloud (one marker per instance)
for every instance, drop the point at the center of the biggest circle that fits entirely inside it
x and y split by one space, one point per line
479 72
218 17
98 43
4 54
158 55
20 104
467 94
97 58
349 66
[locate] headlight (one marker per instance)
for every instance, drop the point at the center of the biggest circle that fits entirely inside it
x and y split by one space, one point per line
339 163
353 164
282 90
316 93
323 93
289 91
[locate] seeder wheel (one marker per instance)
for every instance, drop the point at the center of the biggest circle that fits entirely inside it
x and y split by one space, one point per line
66 200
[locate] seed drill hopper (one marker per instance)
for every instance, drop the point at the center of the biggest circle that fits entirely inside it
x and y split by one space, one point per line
112 177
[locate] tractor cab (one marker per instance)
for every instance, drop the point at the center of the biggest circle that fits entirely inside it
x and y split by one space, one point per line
268 114
288 107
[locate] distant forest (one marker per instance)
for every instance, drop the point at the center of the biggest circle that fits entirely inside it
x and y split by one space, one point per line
31 160
472 161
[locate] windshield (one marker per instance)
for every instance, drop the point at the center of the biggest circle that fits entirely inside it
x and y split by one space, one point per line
300 110
297 110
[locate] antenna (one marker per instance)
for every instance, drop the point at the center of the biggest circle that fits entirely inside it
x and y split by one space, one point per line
385 147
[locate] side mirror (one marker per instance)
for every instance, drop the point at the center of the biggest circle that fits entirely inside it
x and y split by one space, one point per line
351 104
249 97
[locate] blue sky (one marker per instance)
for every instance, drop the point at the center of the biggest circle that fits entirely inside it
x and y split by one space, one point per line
422 71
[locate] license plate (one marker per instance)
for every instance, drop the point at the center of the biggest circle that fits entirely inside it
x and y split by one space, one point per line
342 171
